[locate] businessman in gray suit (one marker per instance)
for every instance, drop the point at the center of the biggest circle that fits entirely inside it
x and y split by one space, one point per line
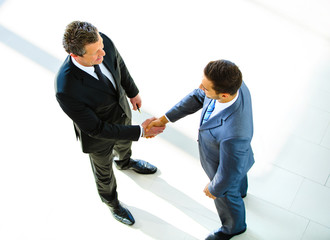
225 133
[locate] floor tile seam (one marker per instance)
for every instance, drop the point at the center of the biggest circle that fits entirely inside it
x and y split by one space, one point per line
321 224
303 235
291 211
289 171
328 179
293 133
298 214
324 134
296 194
282 208
299 175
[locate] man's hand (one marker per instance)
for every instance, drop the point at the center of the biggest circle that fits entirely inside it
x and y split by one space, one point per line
136 102
160 122
207 192
153 131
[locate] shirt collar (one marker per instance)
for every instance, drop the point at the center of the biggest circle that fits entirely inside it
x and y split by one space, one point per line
223 106
89 70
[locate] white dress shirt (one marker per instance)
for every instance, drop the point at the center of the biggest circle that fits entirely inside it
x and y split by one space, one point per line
90 71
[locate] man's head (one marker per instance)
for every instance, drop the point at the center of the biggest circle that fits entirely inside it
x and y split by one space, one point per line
221 81
83 42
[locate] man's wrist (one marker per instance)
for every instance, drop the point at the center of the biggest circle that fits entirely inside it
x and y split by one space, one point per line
164 119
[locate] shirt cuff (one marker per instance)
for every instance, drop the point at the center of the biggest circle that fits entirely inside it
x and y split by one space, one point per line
141 131
167 118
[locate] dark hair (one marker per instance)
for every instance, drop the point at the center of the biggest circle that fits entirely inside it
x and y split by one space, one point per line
225 76
77 35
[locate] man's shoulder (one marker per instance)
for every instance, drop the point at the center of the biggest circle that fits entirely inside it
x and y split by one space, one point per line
65 77
244 89
106 40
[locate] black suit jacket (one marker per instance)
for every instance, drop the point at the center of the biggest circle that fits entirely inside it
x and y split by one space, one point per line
99 113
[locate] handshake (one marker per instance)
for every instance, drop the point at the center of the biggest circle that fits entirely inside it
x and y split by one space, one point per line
153 126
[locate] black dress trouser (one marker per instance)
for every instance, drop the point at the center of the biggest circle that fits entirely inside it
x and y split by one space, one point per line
102 166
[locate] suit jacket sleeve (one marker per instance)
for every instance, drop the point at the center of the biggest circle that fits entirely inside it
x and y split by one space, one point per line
90 123
188 105
234 154
126 80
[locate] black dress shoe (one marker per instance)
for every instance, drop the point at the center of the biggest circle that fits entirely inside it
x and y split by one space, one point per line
222 236
122 215
142 167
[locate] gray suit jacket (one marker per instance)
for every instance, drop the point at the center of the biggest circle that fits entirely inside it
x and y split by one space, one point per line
224 141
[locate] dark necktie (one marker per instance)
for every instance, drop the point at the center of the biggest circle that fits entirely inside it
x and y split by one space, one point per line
209 111
102 77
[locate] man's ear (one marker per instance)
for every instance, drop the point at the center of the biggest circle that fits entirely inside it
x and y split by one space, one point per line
73 55
225 95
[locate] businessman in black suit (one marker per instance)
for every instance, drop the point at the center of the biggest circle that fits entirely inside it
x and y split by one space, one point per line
92 87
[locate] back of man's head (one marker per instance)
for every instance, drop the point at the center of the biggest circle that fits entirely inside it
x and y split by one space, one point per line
225 76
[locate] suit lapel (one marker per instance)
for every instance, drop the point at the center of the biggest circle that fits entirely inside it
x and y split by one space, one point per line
97 84
109 64
215 121
89 80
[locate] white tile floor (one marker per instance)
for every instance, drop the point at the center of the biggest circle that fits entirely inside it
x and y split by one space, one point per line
283 49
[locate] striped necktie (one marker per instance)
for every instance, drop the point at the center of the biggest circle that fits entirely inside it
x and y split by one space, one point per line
209 111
